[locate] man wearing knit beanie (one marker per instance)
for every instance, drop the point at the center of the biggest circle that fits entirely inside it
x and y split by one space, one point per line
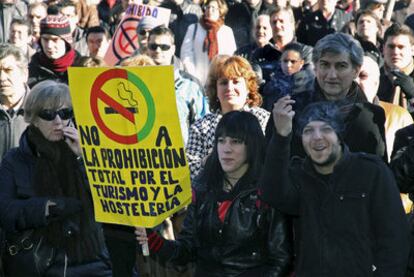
56 53
351 221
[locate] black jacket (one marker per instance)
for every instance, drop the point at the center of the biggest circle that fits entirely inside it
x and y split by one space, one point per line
364 122
39 72
21 210
402 159
315 26
350 223
386 90
253 239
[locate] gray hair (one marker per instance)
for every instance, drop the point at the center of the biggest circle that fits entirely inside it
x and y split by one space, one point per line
46 95
339 43
7 49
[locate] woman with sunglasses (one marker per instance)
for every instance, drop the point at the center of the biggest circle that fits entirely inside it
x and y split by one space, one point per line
228 230
46 211
204 40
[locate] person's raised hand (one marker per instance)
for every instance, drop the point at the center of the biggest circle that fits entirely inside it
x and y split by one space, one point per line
283 114
72 138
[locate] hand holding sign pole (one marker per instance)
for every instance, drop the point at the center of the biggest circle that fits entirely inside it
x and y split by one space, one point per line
141 236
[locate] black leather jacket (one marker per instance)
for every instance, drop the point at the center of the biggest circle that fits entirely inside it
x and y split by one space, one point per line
254 239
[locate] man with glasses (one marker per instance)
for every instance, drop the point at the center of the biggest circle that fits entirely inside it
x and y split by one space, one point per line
191 102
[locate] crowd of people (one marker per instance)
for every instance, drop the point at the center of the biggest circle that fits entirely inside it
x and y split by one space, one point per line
296 116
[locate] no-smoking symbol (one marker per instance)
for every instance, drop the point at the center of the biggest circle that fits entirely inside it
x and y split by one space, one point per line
125 40
97 94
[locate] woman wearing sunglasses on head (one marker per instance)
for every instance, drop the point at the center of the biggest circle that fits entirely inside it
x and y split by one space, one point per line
228 230
46 210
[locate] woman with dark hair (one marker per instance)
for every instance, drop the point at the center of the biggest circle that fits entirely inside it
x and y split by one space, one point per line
231 86
228 230
206 39
46 209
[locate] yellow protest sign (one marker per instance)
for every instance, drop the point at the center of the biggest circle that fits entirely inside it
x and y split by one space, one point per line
131 142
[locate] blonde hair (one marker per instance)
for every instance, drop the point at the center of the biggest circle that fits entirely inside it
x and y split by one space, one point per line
138 60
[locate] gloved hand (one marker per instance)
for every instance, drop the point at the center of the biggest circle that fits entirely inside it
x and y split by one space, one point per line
64 206
405 82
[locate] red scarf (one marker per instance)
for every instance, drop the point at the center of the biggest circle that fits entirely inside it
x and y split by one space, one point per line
61 64
210 41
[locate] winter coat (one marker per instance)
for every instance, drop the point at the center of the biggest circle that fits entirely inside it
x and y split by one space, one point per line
11 128
281 85
39 72
192 55
201 137
351 223
253 238
315 26
364 121
21 210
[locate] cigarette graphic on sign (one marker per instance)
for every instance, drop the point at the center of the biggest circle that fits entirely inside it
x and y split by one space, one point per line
125 95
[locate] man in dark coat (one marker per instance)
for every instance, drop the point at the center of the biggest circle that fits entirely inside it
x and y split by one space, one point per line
338 58
351 220
324 21
397 75
282 22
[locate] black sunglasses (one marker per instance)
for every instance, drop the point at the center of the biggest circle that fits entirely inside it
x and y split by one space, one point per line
154 46
143 32
50 115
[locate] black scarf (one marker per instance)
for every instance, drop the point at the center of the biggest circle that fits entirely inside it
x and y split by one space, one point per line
58 174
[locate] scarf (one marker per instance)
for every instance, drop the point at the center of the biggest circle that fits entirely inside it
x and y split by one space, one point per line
399 97
210 41
58 65
57 174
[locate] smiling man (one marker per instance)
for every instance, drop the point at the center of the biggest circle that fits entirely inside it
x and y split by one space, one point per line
56 52
338 58
351 220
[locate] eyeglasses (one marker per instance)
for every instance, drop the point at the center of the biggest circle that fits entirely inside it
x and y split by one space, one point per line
50 115
154 46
